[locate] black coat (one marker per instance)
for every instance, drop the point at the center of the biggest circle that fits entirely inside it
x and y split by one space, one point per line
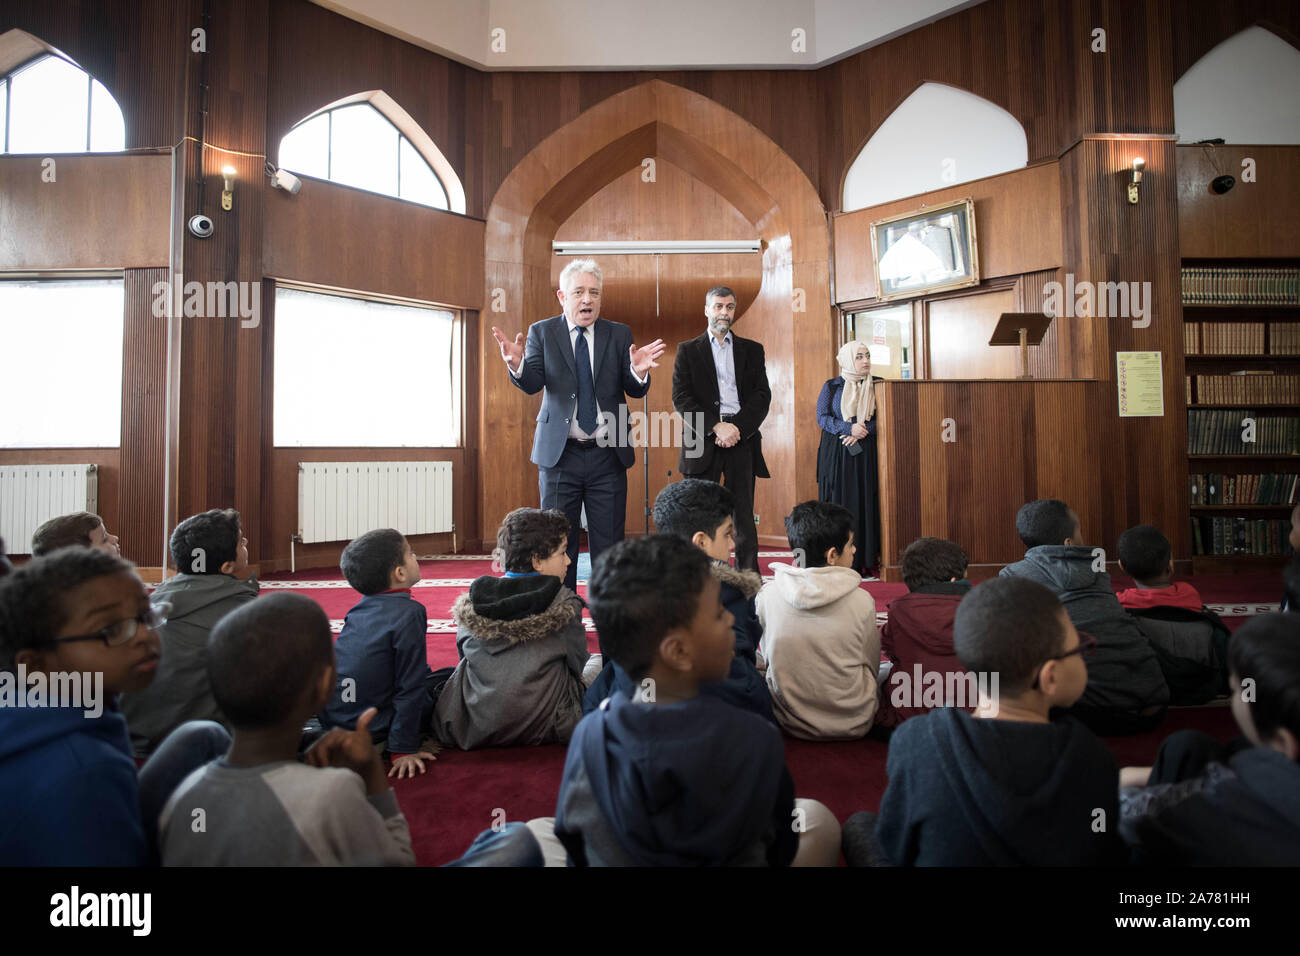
695 390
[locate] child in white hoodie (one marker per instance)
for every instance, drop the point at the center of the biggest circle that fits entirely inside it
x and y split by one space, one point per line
819 630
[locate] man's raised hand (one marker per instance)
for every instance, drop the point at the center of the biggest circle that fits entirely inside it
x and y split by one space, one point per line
643 359
511 352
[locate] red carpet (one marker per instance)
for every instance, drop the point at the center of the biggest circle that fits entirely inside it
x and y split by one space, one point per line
462 792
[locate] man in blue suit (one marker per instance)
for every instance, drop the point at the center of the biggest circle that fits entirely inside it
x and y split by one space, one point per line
586 365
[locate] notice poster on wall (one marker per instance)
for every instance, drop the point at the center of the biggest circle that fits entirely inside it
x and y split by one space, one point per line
1140 383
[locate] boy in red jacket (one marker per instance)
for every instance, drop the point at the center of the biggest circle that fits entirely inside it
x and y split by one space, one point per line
1145 554
918 633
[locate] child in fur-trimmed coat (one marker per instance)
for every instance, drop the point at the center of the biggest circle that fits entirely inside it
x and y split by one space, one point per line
522 645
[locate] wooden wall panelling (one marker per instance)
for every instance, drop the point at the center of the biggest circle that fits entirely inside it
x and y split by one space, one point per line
144 409
1203 24
959 330
1258 219
376 244
101 211
1017 227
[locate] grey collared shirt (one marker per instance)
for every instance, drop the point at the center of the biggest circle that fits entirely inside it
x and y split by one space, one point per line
724 362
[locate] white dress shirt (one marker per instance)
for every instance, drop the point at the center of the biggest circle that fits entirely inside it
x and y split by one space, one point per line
602 430
724 362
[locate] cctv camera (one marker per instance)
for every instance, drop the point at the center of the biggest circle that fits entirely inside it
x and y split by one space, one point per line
201 226
1221 184
283 179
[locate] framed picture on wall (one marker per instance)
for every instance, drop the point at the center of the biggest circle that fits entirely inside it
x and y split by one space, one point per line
925 251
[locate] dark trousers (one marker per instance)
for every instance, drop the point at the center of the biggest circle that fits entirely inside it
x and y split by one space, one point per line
733 468
591 476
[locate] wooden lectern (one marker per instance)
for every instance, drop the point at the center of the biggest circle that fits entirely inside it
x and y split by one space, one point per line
1023 329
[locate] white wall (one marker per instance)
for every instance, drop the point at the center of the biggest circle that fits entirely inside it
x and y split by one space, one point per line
1245 90
938 136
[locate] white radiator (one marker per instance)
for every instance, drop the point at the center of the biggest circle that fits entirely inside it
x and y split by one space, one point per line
30 495
338 500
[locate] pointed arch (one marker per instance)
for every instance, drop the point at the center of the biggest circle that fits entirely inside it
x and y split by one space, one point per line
938 136
49 103
1243 90
306 149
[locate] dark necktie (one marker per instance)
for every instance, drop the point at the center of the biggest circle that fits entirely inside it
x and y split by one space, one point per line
586 388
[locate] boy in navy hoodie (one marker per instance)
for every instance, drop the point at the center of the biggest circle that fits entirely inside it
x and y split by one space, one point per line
1011 784
67 781
1127 692
668 776
382 652
1207 804
700 513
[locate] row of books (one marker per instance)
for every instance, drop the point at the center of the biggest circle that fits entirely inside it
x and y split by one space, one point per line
1241 338
1240 535
1229 431
1261 387
1275 489
1241 285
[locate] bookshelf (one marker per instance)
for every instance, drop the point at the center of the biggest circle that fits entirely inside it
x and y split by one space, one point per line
1241 344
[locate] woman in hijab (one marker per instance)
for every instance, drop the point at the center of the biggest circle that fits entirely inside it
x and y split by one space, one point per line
846 460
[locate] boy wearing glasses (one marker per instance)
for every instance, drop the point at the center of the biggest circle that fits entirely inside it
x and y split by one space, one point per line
1011 784
67 781
211 554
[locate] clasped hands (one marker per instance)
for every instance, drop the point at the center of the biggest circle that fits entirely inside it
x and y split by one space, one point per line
858 433
726 435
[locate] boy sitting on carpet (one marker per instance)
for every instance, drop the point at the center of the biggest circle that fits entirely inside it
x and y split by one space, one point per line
1207 804
79 529
1126 692
272 666
918 633
1008 785
668 776
521 642
382 651
1189 639
819 630
67 782
700 513
211 554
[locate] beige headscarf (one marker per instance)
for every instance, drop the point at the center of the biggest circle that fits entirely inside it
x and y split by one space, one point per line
858 401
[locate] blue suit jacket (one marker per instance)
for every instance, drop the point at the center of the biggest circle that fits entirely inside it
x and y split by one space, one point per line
548 363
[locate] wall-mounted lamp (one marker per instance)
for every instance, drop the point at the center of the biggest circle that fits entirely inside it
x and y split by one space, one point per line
227 192
1138 165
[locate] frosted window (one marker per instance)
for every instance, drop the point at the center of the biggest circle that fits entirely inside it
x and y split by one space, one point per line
62 342
306 149
363 149
4 88
354 373
48 105
419 184
107 130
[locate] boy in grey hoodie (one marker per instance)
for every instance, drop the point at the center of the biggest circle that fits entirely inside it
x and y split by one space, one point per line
1126 692
211 554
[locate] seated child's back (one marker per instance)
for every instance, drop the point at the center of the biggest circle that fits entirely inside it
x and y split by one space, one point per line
80 620
668 777
1006 785
700 512
521 642
382 651
210 553
272 666
819 630
1123 673
917 638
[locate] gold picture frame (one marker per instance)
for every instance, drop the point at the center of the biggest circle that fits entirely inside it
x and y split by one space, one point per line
929 250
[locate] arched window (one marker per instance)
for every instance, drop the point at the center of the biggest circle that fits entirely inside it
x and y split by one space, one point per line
939 136
51 105
371 143
1243 90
